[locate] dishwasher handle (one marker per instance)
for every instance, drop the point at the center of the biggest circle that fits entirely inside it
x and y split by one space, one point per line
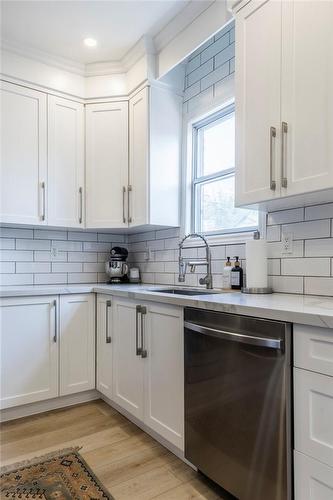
236 337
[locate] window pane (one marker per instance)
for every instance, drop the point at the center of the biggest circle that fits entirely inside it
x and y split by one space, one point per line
215 207
216 146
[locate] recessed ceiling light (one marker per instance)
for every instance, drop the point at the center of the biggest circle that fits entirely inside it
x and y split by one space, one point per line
90 42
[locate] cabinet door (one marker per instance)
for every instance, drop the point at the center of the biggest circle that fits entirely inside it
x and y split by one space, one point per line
314 415
65 162
104 345
258 88
138 159
77 343
307 97
164 373
23 155
29 350
106 164
127 365
313 479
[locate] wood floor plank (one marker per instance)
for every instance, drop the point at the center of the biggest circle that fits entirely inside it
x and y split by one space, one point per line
129 462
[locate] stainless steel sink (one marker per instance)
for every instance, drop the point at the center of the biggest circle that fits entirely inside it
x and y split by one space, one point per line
184 291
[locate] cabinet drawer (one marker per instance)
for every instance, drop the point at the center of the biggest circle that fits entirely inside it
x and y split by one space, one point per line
313 479
314 415
313 349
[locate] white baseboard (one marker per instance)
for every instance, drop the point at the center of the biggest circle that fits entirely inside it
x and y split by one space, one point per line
47 405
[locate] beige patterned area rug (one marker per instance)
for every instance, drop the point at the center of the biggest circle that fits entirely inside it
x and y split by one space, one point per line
61 475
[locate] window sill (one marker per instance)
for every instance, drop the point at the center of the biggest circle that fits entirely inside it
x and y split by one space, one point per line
222 239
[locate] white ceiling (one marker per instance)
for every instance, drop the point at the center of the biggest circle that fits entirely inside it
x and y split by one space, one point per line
59 27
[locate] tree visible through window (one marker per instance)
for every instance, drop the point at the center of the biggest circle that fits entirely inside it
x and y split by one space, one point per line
213 186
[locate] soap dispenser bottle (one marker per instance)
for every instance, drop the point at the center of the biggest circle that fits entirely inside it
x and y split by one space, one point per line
236 276
226 275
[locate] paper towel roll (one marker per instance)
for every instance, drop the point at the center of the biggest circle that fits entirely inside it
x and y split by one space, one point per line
256 264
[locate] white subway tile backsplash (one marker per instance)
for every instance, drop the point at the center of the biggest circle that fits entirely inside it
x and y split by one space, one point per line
286 284
319 248
111 238
275 250
16 255
215 48
66 267
319 212
67 246
82 257
50 279
16 279
201 72
215 76
171 243
46 256
8 232
171 267
82 278
307 230
318 286
235 250
44 234
33 267
218 253
81 236
193 64
155 245
92 246
7 267
173 232
23 244
7 243
224 56
205 97
310 266
286 216
94 267
163 255
274 267
273 233
164 279
192 91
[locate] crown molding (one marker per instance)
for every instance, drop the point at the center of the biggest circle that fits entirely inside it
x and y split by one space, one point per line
183 19
143 47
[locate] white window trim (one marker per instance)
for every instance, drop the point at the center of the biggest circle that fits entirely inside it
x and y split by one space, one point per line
201 112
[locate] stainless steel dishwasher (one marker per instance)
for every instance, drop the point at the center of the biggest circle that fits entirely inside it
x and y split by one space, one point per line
238 403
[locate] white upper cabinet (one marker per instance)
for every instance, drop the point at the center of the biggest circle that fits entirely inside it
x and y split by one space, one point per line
284 101
155 120
23 166
65 162
106 165
258 69
307 97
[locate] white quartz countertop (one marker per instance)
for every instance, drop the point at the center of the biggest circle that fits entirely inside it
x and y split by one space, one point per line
305 309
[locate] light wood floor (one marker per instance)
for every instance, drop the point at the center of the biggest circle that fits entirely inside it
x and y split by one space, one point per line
130 464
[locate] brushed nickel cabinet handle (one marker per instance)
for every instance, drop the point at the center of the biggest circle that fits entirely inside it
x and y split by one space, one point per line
55 337
143 350
284 131
81 205
272 135
107 337
138 349
124 195
129 190
42 185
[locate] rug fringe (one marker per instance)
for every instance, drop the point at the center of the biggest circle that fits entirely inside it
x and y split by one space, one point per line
6 469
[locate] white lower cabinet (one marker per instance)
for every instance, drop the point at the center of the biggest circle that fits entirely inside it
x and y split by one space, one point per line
164 372
313 479
313 413
127 364
29 350
104 342
144 361
77 343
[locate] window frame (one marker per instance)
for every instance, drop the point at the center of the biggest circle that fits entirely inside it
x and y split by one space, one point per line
197 180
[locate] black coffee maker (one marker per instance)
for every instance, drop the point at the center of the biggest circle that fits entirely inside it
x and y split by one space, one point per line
116 267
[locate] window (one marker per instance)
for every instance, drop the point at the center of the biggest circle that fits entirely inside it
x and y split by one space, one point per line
213 178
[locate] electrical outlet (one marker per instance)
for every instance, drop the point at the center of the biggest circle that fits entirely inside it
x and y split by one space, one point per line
287 243
54 252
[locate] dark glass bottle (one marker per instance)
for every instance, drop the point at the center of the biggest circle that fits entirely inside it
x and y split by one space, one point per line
236 276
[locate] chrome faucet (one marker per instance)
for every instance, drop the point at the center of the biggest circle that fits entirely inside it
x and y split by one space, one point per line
183 263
